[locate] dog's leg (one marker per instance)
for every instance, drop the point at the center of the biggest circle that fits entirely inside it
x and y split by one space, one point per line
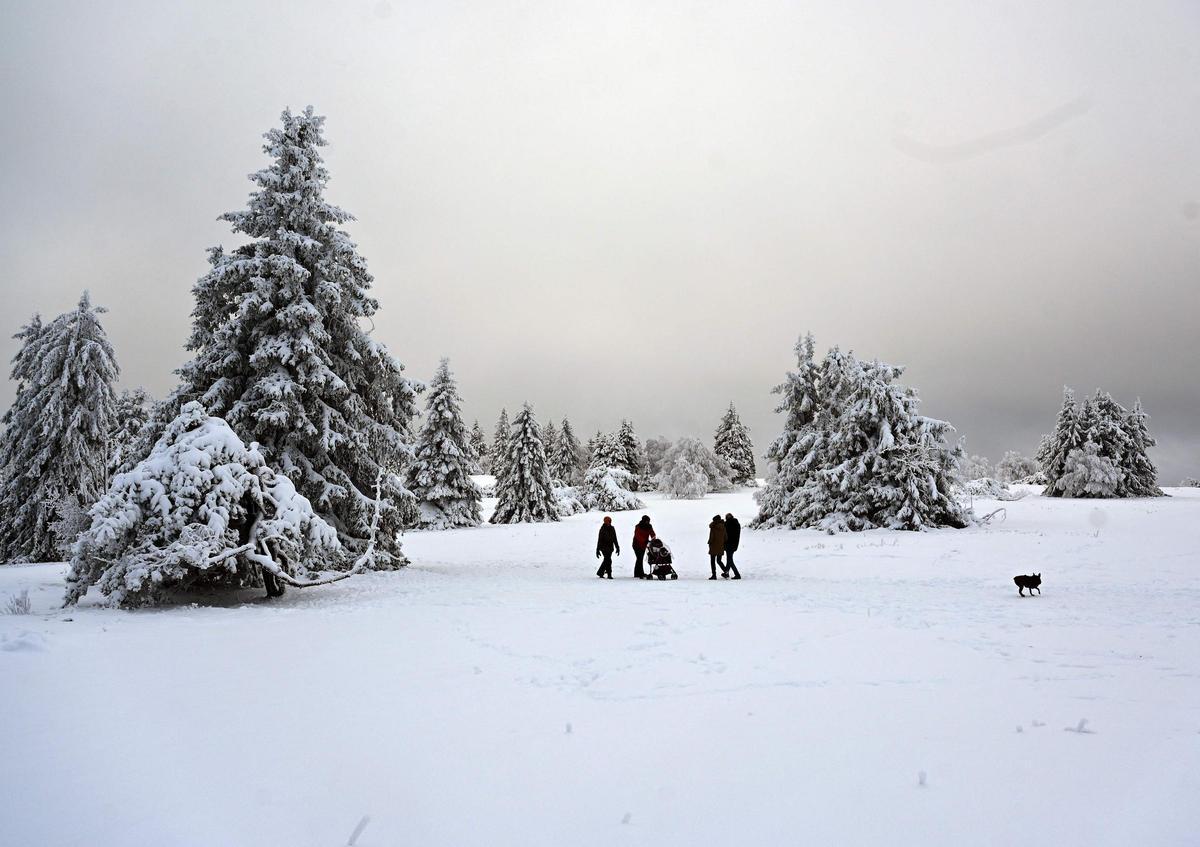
1021 590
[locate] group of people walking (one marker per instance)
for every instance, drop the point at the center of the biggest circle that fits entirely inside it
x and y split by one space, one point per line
724 536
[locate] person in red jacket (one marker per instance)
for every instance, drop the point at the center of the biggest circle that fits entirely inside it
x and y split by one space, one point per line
642 533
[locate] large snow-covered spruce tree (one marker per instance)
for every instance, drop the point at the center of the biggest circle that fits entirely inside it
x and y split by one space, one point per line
440 473
525 494
500 446
280 351
1141 476
633 455
202 510
568 457
54 454
732 443
858 455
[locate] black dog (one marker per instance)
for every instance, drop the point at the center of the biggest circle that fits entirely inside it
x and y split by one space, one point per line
1032 581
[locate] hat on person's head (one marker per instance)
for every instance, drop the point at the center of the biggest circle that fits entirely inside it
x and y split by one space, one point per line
645 517
716 517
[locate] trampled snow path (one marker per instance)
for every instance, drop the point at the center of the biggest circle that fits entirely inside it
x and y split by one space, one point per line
497 693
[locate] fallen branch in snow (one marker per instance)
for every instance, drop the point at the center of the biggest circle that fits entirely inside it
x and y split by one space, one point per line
1002 513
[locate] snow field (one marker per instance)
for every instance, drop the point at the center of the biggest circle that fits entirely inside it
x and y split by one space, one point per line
496 693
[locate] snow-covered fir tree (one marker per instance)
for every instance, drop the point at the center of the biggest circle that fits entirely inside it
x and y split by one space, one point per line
633 459
732 443
1067 436
606 451
203 509
568 456
857 454
1141 477
608 486
439 475
974 467
691 452
479 446
525 493
656 449
500 446
131 413
550 439
281 354
55 444
1015 467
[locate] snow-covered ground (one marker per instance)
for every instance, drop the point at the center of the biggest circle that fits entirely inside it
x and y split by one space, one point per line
879 688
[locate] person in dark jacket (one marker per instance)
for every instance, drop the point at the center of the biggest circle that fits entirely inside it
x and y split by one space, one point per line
733 535
716 545
642 533
606 543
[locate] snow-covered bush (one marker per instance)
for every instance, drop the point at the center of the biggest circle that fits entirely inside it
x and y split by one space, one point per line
1088 474
203 509
18 603
525 492
439 475
855 454
1190 482
608 489
69 522
1016 468
684 481
567 501
974 467
990 487
692 452
56 431
732 443
656 451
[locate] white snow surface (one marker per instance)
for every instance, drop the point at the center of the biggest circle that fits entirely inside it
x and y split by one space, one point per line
875 688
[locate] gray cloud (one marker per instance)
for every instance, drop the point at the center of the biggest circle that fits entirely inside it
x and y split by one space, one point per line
634 209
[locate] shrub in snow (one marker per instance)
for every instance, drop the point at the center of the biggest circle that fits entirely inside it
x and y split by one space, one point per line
693 453
203 509
281 354
989 487
1117 436
70 520
525 493
440 473
1190 482
855 454
130 414
609 489
732 443
656 451
56 431
1088 474
1016 468
684 481
567 501
974 467
18 603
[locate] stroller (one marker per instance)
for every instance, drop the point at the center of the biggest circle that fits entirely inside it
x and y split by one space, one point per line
658 555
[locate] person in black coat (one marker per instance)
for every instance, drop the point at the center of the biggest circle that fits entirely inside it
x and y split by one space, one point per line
606 543
733 535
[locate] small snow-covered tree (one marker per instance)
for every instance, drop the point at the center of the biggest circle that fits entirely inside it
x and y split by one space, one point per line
479 446
281 352
693 453
568 458
857 454
633 459
974 467
1016 468
500 446
1141 477
656 450
684 481
1069 434
732 443
1089 474
525 493
1190 482
440 472
609 489
550 440
203 509
131 413
55 443
606 451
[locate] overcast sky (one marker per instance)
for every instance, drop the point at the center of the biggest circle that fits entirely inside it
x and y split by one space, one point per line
633 209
